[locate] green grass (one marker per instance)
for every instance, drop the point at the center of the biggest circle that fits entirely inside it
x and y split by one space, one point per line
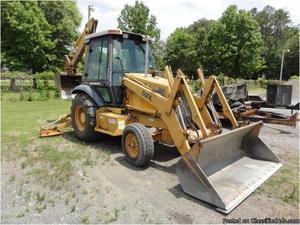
112 216
22 120
41 95
256 90
51 161
85 219
284 184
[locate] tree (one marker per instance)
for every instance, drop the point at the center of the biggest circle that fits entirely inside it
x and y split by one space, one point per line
201 30
276 30
64 18
137 19
159 50
37 35
25 36
236 44
291 62
181 51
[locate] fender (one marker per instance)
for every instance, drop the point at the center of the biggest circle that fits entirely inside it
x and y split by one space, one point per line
89 91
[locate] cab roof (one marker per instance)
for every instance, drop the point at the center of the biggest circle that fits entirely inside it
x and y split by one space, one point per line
116 32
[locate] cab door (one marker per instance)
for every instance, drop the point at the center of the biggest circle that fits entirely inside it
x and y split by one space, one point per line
97 69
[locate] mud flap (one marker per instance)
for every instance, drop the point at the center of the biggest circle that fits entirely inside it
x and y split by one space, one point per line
228 168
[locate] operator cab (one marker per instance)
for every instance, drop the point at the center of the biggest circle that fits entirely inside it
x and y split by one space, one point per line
110 55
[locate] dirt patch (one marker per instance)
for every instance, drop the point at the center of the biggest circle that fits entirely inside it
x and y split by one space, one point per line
103 188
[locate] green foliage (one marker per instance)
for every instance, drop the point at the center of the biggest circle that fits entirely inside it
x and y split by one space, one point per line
295 77
187 47
37 33
291 62
14 74
201 30
232 45
137 19
278 34
23 87
159 50
262 80
236 43
221 78
64 18
240 44
27 36
195 85
181 51
46 75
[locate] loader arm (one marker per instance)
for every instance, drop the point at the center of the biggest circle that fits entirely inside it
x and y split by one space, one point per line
221 169
207 88
72 59
164 108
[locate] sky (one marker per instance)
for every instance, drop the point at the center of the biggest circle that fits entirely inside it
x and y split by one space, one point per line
171 14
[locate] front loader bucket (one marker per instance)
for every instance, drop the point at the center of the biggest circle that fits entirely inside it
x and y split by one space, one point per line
229 167
65 83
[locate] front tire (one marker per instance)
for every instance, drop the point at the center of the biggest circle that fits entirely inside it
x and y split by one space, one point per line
137 144
83 114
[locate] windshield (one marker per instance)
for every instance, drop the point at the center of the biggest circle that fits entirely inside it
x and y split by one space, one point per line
129 56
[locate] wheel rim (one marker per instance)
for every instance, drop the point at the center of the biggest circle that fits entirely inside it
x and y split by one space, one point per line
132 146
80 119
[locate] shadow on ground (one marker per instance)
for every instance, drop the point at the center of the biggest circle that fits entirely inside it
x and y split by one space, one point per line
165 159
281 131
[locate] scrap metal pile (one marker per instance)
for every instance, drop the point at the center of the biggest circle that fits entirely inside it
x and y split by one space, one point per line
251 108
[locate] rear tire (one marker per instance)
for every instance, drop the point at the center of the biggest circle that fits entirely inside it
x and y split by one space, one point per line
137 144
83 114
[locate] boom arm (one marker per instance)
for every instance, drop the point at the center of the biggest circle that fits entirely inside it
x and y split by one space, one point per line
75 55
165 107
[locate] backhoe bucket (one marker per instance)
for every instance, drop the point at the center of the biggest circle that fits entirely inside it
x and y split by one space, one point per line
229 167
65 83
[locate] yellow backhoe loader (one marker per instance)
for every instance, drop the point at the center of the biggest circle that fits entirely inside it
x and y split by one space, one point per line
121 94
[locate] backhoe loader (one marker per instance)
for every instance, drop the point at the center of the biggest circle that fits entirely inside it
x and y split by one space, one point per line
121 94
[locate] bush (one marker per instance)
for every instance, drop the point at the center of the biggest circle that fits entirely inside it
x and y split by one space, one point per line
15 74
262 81
43 79
250 83
46 75
220 78
194 85
295 77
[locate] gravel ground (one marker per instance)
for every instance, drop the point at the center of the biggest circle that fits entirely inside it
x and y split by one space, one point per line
115 192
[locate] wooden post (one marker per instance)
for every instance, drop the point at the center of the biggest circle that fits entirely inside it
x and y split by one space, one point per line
12 84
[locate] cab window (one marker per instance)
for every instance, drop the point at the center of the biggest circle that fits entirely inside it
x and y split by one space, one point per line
96 64
128 56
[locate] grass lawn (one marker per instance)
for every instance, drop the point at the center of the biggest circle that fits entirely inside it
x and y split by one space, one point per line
24 119
51 161
284 184
257 90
